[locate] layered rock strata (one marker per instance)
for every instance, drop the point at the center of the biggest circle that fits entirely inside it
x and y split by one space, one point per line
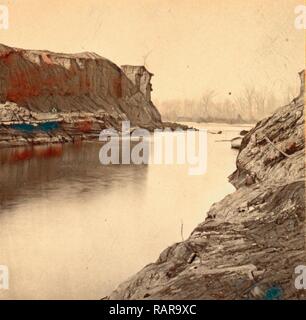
250 242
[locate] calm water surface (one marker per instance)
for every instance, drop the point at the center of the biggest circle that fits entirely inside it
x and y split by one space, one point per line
71 228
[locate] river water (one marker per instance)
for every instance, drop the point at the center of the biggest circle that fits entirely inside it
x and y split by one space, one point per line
71 228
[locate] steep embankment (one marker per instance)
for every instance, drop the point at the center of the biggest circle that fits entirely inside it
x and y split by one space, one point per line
83 92
252 240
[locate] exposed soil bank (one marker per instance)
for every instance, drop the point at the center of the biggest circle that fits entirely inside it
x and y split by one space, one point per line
83 93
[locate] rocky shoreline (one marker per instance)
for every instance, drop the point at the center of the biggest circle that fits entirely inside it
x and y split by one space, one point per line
250 242
71 127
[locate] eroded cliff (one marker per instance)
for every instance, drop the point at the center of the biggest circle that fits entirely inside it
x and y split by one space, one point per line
250 242
84 92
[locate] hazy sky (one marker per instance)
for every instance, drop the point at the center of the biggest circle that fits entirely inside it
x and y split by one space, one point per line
192 44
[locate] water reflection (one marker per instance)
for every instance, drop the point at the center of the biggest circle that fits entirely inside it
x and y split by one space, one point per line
71 228
28 171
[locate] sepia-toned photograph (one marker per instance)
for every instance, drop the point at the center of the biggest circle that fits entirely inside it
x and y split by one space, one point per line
152 150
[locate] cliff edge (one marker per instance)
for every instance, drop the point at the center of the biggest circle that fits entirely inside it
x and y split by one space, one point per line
250 242
82 93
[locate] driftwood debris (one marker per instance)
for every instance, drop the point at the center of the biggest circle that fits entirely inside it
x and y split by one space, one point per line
278 149
225 140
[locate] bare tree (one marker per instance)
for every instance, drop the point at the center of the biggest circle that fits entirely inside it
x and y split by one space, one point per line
260 99
250 105
206 102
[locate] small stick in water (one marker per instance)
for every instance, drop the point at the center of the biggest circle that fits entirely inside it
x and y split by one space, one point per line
182 230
